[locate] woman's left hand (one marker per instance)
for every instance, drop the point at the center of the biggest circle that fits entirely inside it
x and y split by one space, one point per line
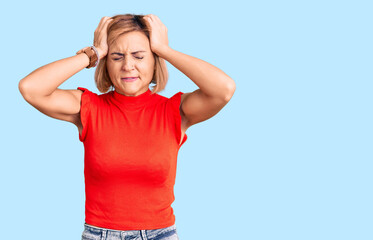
158 34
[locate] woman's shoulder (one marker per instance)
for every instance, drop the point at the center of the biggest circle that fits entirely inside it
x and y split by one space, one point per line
173 96
91 97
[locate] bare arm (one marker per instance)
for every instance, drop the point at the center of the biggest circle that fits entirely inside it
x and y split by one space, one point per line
43 81
40 87
215 87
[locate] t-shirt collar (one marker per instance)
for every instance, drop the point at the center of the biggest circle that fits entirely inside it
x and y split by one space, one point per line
131 101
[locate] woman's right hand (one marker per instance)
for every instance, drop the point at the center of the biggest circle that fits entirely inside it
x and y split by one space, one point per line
100 37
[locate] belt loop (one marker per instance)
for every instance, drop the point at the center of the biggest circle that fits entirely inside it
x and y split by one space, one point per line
103 235
143 234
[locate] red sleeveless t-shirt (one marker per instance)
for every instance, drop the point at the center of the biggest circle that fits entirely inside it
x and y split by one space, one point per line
130 154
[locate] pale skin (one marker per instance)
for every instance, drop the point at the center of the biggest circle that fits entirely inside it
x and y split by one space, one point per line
215 88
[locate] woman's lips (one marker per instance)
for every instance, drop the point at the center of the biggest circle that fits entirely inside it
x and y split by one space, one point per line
129 79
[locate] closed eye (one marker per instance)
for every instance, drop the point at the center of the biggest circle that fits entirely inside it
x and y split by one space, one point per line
135 57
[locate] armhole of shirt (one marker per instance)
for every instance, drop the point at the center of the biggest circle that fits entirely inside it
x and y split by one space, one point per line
84 111
175 105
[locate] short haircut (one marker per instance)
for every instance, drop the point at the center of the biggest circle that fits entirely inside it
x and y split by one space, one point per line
122 24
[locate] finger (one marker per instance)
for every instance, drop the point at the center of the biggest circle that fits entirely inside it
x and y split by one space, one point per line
149 17
155 20
102 22
154 17
148 21
107 22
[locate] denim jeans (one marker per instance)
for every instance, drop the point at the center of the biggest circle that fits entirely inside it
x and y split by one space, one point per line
96 233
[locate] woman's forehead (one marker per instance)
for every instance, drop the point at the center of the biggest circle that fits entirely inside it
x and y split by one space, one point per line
131 42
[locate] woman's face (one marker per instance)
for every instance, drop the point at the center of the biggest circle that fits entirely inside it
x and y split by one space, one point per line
130 56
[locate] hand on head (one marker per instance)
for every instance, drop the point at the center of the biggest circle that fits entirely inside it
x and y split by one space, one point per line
158 34
100 37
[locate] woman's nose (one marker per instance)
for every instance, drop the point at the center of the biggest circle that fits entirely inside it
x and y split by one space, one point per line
127 65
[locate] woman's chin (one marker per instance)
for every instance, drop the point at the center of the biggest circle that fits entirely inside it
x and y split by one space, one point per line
132 91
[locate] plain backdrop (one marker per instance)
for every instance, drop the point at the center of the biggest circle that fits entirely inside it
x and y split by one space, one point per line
289 157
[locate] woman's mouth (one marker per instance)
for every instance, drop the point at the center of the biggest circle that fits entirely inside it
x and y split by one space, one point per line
130 79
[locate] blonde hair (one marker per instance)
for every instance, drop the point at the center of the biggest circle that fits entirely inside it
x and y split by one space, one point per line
122 24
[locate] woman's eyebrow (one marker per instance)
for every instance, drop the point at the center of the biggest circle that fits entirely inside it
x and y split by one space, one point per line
121 54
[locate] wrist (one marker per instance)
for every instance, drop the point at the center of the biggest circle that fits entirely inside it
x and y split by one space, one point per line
85 56
162 52
101 53
92 54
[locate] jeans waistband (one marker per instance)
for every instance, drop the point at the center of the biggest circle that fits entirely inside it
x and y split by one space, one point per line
91 226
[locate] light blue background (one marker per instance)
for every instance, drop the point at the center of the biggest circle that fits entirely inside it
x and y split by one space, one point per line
289 157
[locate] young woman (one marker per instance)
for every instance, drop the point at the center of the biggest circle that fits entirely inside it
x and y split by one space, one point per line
131 134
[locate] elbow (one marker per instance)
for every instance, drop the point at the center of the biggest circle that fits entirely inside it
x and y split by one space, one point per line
22 87
230 89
